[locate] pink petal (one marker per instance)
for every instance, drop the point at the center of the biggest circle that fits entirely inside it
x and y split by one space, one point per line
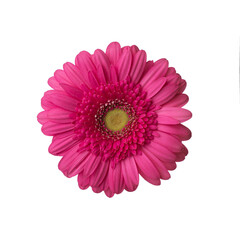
178 101
154 87
113 52
182 86
130 173
74 74
113 74
171 71
60 145
85 64
115 179
134 50
61 100
146 168
51 128
164 174
72 162
100 58
138 65
100 173
124 64
170 165
61 77
148 66
92 79
72 91
42 117
59 115
91 164
53 83
167 120
169 141
179 114
161 152
158 70
83 181
182 132
165 94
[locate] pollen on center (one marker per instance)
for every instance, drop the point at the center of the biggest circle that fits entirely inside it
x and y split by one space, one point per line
116 119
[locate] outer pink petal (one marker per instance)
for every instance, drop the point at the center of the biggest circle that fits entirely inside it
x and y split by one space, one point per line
61 100
147 169
124 64
130 173
100 58
134 50
182 132
138 65
179 114
83 181
97 178
169 141
167 120
154 87
163 153
60 145
85 64
51 128
164 174
61 77
113 52
115 179
158 70
72 91
53 83
178 101
73 161
91 164
165 94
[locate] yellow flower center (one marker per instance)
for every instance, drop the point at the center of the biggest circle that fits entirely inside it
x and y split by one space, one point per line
116 120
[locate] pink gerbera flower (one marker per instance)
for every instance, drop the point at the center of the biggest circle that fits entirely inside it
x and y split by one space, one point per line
114 116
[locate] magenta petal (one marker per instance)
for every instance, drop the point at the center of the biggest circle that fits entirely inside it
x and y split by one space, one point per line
59 146
146 168
100 58
91 164
115 180
85 64
178 101
179 114
155 87
166 94
72 162
53 83
72 91
61 77
113 52
163 153
158 70
138 65
51 128
164 174
182 132
99 175
124 64
170 142
83 181
130 173
61 100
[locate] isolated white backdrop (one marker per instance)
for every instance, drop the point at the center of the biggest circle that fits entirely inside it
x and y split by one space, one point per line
200 39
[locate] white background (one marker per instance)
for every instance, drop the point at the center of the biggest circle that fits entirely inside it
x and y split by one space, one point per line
201 40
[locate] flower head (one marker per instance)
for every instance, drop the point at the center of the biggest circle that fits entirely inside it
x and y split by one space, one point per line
114 116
